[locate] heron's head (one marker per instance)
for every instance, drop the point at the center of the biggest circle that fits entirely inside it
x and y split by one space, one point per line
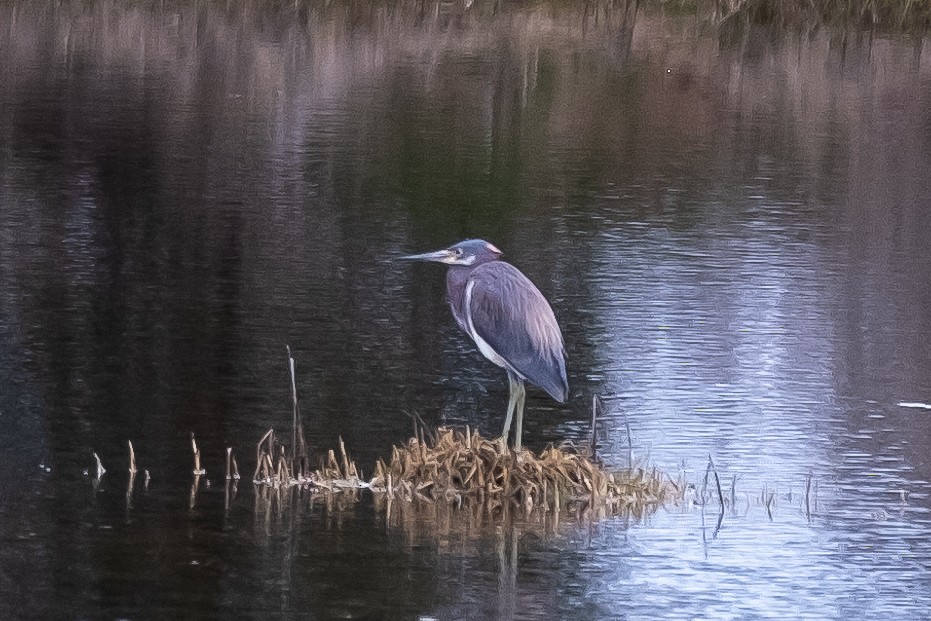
469 252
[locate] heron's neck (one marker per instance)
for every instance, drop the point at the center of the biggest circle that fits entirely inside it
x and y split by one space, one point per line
456 278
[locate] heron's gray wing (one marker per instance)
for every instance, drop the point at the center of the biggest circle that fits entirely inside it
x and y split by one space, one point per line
511 315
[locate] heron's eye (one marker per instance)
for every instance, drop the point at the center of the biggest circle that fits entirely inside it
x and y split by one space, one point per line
458 252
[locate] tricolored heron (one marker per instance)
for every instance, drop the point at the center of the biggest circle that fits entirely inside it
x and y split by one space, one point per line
508 318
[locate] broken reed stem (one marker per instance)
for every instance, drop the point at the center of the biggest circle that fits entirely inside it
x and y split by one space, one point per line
235 469
269 466
100 469
421 429
342 450
284 473
259 461
132 458
197 469
229 456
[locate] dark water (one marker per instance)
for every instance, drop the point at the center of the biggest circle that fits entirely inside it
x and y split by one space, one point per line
733 229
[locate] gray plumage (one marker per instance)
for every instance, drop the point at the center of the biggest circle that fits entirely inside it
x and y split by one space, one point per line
508 318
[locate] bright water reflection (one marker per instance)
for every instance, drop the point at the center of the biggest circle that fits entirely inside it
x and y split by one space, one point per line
732 232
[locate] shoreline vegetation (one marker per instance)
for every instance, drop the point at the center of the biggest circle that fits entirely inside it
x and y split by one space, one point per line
891 15
884 15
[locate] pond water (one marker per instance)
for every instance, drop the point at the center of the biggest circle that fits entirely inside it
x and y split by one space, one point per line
732 228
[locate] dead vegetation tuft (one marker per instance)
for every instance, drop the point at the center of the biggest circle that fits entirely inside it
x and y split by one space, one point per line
461 464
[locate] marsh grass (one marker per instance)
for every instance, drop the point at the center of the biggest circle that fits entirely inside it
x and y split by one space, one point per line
459 466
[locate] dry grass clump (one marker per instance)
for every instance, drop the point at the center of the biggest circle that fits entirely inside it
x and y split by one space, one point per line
335 474
459 465
462 464
287 469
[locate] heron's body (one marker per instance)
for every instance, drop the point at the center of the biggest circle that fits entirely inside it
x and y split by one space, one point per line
508 318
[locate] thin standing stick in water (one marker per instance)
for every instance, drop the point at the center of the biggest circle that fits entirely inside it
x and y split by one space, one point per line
235 469
229 458
100 469
293 406
130 484
132 458
734 494
808 496
197 469
717 481
302 451
596 403
192 496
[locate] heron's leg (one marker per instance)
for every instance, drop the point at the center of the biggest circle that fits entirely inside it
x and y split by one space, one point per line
514 385
519 406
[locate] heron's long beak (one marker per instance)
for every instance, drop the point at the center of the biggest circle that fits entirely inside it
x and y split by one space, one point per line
440 256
